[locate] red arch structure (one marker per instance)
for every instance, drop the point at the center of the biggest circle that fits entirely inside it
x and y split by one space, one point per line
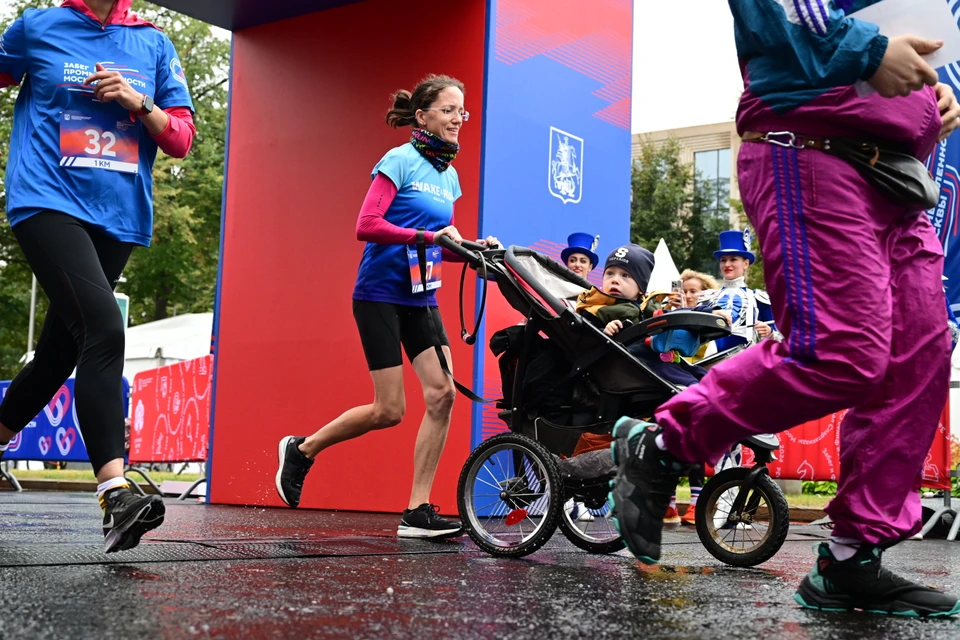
309 88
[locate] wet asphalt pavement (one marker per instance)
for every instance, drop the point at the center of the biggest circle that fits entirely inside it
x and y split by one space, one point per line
231 572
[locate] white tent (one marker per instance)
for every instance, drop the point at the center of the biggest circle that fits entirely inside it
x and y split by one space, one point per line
163 342
664 270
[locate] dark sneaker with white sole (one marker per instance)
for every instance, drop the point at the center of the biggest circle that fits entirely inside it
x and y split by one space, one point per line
126 517
861 583
425 522
640 493
292 470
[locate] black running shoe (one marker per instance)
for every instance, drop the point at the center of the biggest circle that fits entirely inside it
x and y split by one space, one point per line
640 493
293 470
127 517
424 522
861 583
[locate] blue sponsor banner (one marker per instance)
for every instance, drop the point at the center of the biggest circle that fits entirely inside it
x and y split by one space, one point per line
556 141
54 435
943 164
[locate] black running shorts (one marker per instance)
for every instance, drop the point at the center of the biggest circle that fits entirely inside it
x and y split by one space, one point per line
384 327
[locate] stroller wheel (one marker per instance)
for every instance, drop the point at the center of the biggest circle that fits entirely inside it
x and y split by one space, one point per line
753 535
510 495
590 529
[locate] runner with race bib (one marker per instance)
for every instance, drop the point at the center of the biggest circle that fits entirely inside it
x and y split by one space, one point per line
101 91
414 188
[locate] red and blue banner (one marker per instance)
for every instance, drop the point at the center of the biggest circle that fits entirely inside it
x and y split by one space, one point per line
54 435
557 142
944 165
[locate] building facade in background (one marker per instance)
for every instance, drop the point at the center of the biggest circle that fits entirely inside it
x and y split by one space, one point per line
712 150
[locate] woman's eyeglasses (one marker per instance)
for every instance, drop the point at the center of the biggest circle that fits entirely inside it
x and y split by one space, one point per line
449 111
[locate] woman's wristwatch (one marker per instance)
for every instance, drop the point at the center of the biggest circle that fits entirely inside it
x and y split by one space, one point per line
147 106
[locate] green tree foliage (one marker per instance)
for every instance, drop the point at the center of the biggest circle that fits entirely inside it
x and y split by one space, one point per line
178 273
672 202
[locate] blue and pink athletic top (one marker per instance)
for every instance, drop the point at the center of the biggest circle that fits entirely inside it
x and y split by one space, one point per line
407 193
70 152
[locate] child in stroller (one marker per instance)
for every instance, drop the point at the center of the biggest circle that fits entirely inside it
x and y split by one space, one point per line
621 301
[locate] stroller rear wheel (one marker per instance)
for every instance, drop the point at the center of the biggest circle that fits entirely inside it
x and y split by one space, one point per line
588 523
510 495
742 537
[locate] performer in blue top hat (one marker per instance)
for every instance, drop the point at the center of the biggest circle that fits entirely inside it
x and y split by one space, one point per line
749 308
580 256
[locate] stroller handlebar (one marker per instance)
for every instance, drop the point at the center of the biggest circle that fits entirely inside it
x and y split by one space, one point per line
466 250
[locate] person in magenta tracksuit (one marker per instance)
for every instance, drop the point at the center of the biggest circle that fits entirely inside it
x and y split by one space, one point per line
854 281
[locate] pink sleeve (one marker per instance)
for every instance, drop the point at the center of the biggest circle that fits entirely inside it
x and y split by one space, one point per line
448 255
371 224
373 227
177 138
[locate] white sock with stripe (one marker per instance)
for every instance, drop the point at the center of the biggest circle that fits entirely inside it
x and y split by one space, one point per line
112 483
694 495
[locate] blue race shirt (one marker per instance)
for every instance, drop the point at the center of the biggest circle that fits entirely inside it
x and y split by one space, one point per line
425 199
69 152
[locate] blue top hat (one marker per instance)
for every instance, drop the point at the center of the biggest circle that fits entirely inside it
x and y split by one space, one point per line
581 243
735 243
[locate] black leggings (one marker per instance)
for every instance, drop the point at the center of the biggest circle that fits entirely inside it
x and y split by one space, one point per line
78 267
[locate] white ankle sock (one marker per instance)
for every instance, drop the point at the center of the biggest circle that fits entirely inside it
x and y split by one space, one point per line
112 483
844 548
660 443
694 495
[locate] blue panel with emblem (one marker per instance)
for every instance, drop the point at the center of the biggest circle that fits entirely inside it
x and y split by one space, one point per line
556 141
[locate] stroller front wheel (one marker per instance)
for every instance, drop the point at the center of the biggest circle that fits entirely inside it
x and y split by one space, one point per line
510 495
747 536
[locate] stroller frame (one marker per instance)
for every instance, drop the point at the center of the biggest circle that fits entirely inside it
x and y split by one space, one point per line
612 382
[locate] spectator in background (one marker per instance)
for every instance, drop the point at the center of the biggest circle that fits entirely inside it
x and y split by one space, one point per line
580 256
694 284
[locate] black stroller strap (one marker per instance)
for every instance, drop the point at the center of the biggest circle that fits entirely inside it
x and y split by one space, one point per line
422 259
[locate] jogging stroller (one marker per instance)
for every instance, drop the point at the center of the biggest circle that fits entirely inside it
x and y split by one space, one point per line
563 378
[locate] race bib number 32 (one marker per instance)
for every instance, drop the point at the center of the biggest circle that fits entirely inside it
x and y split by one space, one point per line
433 269
99 141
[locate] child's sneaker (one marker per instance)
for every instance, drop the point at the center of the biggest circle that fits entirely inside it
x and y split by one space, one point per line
672 516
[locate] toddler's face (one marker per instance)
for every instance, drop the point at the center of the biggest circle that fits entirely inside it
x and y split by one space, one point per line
617 281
